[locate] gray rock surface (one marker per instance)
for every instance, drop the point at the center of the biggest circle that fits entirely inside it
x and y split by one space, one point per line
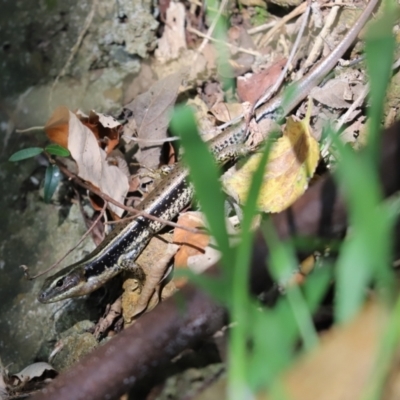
37 38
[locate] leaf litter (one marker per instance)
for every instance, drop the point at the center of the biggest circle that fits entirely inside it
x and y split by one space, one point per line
293 159
151 113
66 129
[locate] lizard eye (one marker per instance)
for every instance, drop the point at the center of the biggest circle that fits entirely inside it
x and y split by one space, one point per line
60 282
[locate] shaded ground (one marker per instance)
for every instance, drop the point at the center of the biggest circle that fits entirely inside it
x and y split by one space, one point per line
38 38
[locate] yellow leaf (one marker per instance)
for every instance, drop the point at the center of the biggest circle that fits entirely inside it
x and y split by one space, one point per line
292 162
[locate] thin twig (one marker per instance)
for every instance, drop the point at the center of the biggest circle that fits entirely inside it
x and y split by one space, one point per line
231 46
344 118
320 40
150 141
296 12
95 222
261 28
138 213
212 27
31 129
357 103
282 75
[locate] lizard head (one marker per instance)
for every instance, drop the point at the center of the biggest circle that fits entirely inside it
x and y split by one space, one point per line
63 285
76 280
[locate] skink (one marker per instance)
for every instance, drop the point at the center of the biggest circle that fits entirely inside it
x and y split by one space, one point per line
123 245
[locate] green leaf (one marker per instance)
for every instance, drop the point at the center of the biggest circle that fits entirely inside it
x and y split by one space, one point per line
220 30
240 297
26 153
51 180
365 255
204 173
57 150
379 47
283 263
317 283
217 287
273 336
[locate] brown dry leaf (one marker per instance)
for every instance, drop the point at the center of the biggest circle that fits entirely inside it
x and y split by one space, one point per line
56 127
142 293
337 93
292 162
300 276
152 113
106 129
225 112
134 183
212 93
112 313
392 385
199 251
242 61
191 243
205 121
33 371
173 38
201 262
93 166
344 363
340 368
251 87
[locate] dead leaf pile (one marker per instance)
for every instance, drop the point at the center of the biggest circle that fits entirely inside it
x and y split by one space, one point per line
81 136
150 116
92 141
29 379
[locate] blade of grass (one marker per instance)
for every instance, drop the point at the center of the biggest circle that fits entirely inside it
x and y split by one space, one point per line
220 33
283 263
365 257
237 386
25 153
273 336
379 47
204 174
